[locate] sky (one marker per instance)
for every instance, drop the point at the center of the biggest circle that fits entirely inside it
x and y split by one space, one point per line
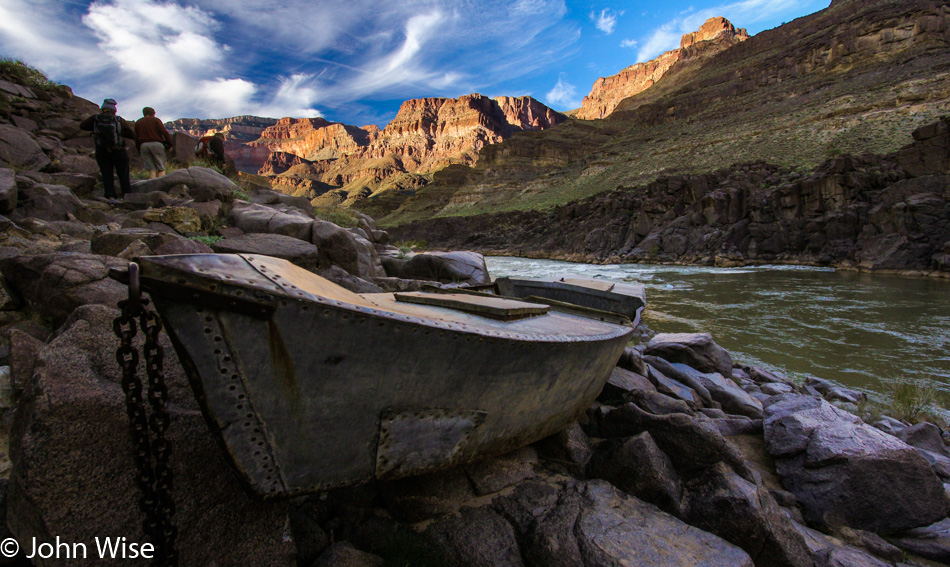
352 61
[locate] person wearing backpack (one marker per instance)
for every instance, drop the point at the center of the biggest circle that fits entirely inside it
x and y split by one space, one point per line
152 139
211 148
109 132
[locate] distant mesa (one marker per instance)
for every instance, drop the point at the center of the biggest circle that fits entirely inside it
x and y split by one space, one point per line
607 92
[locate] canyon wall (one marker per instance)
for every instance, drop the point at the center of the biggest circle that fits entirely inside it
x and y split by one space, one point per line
607 92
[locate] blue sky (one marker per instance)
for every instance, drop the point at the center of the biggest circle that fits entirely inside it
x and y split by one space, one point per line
351 61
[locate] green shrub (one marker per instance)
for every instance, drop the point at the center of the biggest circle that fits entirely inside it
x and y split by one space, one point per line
911 398
25 74
207 240
339 216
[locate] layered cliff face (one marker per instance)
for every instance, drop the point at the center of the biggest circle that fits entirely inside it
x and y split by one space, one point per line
426 134
607 92
871 212
857 77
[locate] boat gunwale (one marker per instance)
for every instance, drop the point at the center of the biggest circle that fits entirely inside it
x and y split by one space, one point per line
218 284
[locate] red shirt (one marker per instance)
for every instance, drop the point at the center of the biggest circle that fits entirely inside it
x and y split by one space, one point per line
150 129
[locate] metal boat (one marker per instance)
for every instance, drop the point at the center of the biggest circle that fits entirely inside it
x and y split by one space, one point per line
310 386
623 299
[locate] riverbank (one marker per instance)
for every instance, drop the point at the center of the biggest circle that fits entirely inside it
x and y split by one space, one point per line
875 213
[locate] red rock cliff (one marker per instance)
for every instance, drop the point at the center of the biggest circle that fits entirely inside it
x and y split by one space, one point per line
607 92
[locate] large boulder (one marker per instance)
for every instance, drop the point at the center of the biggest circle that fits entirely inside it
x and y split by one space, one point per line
56 284
638 467
844 472
202 183
17 148
446 267
74 475
182 219
297 251
342 248
744 513
53 203
251 217
697 350
596 524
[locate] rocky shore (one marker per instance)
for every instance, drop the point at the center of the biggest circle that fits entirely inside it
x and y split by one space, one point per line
685 459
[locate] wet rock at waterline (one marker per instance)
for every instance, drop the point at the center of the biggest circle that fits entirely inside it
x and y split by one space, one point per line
844 472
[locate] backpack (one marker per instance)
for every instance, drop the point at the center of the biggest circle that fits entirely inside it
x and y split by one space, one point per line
107 132
203 147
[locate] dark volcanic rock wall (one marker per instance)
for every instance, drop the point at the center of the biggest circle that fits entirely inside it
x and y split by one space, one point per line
870 212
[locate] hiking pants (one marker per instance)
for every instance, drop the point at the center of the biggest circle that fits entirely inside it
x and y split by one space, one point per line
114 162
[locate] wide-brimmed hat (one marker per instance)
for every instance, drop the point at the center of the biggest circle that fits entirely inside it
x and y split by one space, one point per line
109 104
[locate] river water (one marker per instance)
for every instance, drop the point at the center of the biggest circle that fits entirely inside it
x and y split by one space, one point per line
860 330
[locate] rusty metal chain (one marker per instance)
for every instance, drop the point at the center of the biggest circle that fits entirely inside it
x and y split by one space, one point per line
151 448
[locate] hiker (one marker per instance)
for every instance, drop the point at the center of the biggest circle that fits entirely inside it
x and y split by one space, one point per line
212 149
152 139
109 132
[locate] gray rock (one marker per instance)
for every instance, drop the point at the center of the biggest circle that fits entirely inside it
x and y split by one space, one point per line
17 148
346 250
477 537
658 404
723 503
639 467
776 388
183 246
925 436
112 242
889 425
623 382
732 398
670 371
260 218
492 475
732 425
447 267
526 503
204 184
74 473
830 552
697 350
763 376
343 554
310 538
844 472
297 251
54 203
569 447
8 190
931 542
56 284
692 445
608 517
670 387
632 360
266 197
347 280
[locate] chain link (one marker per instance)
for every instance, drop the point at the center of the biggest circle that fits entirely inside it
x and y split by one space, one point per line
151 448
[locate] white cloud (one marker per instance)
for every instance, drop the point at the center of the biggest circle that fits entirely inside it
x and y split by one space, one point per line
605 21
628 43
215 58
563 95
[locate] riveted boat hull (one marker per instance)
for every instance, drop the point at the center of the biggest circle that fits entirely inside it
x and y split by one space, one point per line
311 387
